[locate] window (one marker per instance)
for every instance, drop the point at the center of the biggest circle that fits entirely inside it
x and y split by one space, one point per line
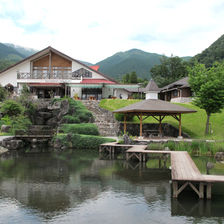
81 72
175 93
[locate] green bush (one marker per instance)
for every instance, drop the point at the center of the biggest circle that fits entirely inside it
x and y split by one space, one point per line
12 108
72 120
86 129
83 141
170 144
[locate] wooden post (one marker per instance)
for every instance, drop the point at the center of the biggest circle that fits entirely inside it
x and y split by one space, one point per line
124 123
175 189
209 190
179 124
140 124
160 128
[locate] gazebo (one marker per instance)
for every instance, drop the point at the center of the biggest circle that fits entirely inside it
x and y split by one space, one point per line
154 107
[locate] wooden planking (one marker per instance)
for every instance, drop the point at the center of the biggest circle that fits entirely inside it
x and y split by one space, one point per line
214 178
184 168
137 148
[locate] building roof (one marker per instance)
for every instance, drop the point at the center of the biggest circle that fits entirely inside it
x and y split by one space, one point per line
51 49
155 107
152 86
180 83
96 81
95 67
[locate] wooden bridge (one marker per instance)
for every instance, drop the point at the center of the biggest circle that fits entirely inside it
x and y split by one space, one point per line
184 172
37 134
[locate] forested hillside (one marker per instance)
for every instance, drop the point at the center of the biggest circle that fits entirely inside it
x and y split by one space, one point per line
26 52
8 56
213 53
136 60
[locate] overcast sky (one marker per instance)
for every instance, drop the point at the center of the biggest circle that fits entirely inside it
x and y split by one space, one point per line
92 30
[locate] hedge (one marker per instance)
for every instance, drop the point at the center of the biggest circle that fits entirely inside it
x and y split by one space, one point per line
86 129
83 141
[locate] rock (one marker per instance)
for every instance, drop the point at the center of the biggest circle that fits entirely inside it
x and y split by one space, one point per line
69 137
166 149
64 108
39 121
58 143
5 128
72 112
127 140
15 144
59 117
219 156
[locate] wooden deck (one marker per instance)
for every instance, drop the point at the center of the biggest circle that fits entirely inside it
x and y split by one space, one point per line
184 172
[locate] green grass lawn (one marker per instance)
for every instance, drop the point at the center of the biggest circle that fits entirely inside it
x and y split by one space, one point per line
192 124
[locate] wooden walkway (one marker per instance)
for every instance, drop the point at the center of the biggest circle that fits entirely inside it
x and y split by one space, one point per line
31 134
184 172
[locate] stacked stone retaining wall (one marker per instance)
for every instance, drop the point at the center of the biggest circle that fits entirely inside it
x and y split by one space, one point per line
104 119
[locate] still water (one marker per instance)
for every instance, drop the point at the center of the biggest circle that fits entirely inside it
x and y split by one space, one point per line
44 186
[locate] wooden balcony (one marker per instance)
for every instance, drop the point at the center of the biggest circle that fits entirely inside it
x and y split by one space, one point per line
27 75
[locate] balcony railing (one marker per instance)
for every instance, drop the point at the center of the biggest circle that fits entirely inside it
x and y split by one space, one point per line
27 75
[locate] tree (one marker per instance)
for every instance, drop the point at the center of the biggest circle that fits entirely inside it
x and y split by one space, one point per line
207 84
170 70
130 78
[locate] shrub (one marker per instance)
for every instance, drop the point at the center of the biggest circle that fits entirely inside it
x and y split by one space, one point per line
11 108
83 141
120 117
72 120
86 129
170 144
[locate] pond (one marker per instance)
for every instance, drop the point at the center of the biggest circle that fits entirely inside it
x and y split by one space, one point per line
76 186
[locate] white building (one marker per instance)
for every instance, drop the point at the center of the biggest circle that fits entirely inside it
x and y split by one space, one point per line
50 72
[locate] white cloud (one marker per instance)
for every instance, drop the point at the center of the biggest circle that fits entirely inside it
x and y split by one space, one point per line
93 30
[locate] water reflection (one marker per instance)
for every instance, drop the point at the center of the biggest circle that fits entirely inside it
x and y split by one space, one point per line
41 185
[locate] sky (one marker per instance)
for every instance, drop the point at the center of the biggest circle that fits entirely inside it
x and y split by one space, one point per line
92 30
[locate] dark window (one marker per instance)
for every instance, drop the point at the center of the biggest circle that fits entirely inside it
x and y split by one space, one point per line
175 93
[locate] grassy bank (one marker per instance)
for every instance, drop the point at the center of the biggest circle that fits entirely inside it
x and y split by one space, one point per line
192 124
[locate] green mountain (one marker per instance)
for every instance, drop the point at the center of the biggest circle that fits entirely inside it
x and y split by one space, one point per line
213 53
8 56
136 60
26 52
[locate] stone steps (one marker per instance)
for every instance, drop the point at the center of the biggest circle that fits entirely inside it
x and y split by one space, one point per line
104 119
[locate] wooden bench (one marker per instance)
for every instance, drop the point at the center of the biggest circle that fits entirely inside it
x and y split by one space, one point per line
152 133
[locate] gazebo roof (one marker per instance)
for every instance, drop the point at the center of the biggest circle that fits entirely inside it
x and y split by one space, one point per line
156 107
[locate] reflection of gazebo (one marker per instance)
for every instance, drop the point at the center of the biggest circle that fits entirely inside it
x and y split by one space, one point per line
154 107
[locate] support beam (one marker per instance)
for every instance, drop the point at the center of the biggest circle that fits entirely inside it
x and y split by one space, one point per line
160 126
179 124
140 124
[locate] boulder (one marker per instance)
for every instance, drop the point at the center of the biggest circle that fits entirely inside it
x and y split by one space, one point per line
127 140
64 108
5 128
69 135
38 121
15 144
58 143
219 156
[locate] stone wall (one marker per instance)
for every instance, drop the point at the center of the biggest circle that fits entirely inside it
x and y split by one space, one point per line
104 119
167 129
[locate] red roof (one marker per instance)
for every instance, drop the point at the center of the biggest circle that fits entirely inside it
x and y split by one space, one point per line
95 67
96 81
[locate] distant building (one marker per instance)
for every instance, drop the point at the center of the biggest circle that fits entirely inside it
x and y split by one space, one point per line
177 92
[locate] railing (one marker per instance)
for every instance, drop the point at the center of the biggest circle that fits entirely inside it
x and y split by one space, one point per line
35 133
27 75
